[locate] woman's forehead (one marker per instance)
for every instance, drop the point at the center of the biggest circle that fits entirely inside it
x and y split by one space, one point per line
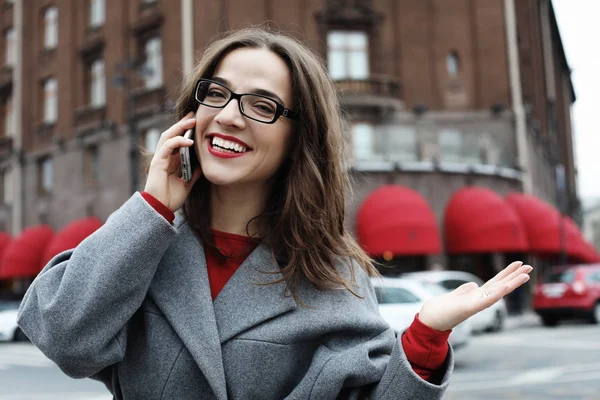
252 68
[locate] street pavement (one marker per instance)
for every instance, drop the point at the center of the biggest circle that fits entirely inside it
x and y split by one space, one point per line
526 361
530 362
26 374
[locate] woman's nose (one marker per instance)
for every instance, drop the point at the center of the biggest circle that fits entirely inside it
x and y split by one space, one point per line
231 115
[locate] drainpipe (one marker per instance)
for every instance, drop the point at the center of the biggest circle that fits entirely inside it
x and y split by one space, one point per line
514 73
18 159
187 37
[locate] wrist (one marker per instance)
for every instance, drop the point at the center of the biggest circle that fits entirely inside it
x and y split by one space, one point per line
159 206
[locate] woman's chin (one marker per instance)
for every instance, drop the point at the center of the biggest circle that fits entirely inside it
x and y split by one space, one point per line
219 178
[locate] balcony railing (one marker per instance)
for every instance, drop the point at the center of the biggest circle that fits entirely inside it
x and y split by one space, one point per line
380 86
452 149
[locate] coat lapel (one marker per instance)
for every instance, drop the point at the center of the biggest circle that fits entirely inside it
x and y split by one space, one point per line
181 291
246 301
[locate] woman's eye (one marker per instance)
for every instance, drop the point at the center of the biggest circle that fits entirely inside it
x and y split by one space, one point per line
216 94
264 107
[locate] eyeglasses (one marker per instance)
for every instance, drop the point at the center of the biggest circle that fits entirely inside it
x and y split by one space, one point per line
254 106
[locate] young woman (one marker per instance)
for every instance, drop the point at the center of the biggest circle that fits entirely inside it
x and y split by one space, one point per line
258 291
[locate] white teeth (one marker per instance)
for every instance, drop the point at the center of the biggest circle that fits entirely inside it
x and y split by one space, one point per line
226 144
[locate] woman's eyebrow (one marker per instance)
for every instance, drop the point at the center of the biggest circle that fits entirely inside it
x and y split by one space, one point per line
263 92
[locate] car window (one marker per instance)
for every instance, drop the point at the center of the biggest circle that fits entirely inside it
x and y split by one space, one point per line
391 295
451 284
560 277
593 277
9 305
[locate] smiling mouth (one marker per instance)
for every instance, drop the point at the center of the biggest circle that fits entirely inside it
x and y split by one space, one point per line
227 146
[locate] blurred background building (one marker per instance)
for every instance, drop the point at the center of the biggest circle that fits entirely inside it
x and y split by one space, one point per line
458 120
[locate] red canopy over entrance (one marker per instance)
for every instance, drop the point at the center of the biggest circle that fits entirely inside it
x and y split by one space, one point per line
541 222
398 220
477 220
22 257
70 237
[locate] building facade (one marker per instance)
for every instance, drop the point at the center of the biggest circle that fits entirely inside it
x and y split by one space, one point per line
439 95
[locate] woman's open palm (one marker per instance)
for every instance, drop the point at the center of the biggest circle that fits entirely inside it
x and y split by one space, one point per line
448 310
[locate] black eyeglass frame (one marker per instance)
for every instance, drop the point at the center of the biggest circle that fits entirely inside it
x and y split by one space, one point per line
281 110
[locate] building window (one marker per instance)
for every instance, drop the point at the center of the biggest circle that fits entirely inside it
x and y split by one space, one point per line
50 100
91 165
452 64
10 55
451 143
7 186
153 68
96 83
402 143
151 140
348 55
363 136
45 176
51 27
9 117
97 8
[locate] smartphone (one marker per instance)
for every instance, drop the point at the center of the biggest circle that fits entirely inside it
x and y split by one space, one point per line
186 161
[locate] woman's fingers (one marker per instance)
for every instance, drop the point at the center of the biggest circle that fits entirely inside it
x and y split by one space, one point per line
177 129
512 267
171 145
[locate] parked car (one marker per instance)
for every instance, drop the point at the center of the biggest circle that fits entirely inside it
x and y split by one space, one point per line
569 292
9 331
400 300
491 319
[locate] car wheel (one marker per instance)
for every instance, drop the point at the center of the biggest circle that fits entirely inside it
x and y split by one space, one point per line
549 321
20 336
596 314
498 322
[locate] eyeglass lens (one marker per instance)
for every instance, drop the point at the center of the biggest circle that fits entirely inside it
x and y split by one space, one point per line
256 107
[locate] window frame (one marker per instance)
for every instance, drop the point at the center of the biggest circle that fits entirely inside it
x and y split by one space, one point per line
97 13
347 50
149 78
45 176
49 108
50 24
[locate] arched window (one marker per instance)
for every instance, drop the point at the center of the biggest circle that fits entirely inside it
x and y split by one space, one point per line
453 64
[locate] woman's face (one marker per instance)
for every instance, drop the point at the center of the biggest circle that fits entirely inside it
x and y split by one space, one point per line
245 70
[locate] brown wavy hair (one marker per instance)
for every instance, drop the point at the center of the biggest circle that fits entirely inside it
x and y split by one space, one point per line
303 222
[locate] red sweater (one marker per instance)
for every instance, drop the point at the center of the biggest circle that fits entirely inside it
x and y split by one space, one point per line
425 348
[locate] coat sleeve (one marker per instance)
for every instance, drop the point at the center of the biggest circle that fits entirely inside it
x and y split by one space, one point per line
364 358
76 309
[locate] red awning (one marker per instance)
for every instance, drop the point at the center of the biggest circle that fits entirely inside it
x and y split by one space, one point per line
477 220
541 222
22 257
5 240
70 237
577 247
398 220
593 257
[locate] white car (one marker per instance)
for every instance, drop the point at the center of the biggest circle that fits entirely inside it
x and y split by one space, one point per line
491 319
9 331
401 299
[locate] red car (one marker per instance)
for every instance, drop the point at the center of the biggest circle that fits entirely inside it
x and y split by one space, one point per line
569 292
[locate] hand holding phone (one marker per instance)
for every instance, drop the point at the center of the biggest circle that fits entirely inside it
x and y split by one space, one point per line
165 181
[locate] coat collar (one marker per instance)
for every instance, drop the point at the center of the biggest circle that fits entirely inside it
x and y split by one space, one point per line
181 291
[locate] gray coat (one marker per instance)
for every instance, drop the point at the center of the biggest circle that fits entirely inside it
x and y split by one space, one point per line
131 306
